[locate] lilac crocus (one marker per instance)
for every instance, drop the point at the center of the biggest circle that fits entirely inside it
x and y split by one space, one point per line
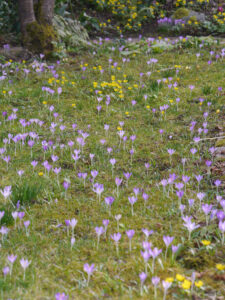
118 182
116 237
99 231
201 196
24 264
73 223
155 282
166 285
127 176
4 231
207 209
146 255
98 189
6 192
11 258
154 253
167 240
112 162
222 229
61 296
132 200
109 201
190 227
142 277
89 269
5 271
130 233
147 233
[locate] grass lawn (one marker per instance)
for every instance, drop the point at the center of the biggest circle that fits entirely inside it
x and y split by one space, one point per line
130 111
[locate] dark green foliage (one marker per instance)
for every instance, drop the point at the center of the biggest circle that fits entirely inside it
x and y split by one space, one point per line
7 218
26 193
9 20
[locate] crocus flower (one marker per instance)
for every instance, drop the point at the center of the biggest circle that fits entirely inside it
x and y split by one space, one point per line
116 237
99 231
167 240
154 253
24 264
166 285
130 233
89 269
132 200
190 227
147 233
73 223
109 201
155 282
61 296
11 258
118 182
142 277
222 229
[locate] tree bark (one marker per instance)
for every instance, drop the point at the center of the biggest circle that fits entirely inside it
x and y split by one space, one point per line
36 18
26 14
47 11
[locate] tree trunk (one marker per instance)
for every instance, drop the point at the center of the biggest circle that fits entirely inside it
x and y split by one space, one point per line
26 14
36 25
47 11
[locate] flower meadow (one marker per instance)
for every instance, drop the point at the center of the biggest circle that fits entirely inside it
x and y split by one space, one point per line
111 182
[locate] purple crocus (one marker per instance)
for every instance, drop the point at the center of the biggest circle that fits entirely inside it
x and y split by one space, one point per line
155 282
130 233
61 296
109 201
132 200
24 264
118 182
11 258
154 253
98 189
222 229
167 240
116 237
89 269
142 277
166 285
190 226
99 231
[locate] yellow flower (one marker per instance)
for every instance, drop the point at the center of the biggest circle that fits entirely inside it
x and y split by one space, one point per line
205 242
186 284
220 267
218 111
44 102
40 173
147 106
127 113
199 283
180 277
119 128
73 105
4 92
169 279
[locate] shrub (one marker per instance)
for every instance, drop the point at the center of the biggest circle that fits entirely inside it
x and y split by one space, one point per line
181 13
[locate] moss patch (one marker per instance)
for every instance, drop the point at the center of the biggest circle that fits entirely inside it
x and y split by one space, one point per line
39 38
181 13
